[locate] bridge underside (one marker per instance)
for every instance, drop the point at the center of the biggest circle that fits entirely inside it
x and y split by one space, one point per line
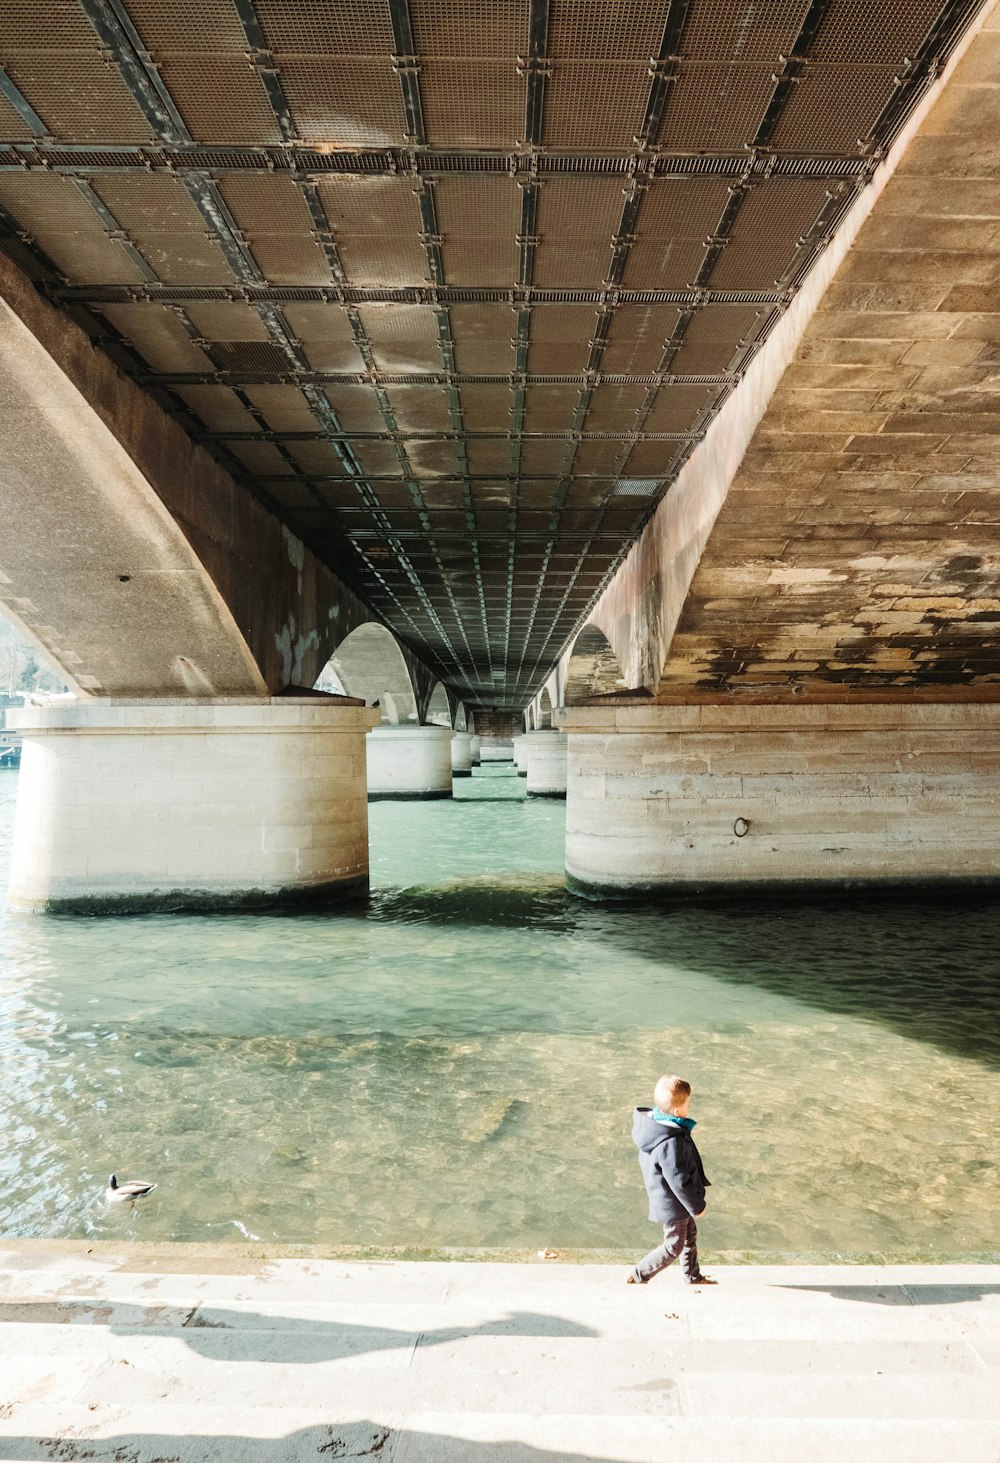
453 291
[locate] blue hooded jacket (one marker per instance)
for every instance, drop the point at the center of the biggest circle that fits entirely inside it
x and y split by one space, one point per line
671 1168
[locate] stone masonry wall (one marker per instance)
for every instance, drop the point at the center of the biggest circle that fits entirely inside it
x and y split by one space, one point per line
830 795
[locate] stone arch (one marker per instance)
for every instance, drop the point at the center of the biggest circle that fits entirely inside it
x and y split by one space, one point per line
593 668
369 663
438 707
544 714
461 720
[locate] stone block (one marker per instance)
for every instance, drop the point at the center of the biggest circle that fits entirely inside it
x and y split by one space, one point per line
177 811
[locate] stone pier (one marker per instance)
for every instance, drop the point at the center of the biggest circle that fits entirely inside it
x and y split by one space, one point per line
544 755
670 799
409 762
461 754
136 805
520 756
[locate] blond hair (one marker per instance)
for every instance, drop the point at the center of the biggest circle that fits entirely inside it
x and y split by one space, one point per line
670 1092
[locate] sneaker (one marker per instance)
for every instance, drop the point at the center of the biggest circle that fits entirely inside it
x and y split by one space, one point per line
699 1280
632 1278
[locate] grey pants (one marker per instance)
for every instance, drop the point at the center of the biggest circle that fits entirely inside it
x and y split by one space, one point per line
680 1237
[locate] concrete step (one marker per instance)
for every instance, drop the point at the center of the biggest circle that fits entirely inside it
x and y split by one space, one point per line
175 1353
220 1435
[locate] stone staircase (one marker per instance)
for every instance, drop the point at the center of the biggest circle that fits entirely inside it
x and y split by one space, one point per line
183 1354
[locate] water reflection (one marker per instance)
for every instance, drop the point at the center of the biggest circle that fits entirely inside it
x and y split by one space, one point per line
478 1036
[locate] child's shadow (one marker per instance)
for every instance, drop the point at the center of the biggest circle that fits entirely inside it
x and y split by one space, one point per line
235 1335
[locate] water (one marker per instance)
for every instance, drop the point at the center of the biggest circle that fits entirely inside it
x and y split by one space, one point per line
455 1064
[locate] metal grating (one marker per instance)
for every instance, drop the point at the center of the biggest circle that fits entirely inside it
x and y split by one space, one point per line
579 208
317 27
283 408
480 261
224 321
356 408
761 32
637 336
590 105
834 108
45 205
682 208
714 338
670 264
753 263
62 26
383 259
370 205
248 355
12 125
150 203
184 256
715 108
626 30
290 259
208 27
587 266
487 408
614 408
221 98
678 408
344 103
159 337
420 408
80 97
480 28
478 205
873 32
472 104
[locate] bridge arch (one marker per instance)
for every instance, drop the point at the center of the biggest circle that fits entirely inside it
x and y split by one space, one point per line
543 717
593 668
438 707
369 663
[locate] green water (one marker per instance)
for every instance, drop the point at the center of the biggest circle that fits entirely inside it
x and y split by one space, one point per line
455 1064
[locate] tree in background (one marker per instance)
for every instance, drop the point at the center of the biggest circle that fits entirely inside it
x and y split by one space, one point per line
20 668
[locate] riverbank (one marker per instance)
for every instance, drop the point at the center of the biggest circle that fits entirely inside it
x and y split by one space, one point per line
198 1353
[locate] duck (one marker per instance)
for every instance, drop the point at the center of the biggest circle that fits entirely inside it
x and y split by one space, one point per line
117 1193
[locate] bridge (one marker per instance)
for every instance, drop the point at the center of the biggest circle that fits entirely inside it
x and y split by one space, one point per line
627 367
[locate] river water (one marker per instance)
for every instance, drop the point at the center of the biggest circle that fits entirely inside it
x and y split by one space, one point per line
454 1064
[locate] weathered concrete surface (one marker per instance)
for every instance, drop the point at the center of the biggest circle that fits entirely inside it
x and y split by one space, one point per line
130 806
867 492
200 1356
860 541
128 554
682 799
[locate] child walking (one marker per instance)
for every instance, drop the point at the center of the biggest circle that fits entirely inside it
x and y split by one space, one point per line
675 1181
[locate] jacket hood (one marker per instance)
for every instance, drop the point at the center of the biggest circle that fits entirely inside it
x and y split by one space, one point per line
647 1134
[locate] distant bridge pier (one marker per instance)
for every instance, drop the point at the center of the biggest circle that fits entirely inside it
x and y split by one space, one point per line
461 754
545 764
410 763
687 799
145 805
